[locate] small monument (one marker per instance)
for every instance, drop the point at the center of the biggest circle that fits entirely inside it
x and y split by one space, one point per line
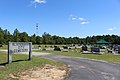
95 49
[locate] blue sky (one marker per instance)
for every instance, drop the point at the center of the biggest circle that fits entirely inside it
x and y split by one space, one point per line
68 18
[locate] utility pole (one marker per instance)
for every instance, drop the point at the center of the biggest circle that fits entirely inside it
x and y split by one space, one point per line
36 29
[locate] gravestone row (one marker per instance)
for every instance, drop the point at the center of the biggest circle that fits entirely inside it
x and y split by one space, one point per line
114 49
93 49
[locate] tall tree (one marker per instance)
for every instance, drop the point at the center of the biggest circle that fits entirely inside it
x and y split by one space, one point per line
7 36
1 36
47 38
38 40
16 35
24 37
33 39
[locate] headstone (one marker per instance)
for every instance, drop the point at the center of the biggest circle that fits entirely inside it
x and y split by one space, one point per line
84 48
51 46
56 48
74 50
44 49
101 47
119 49
65 47
95 49
39 46
65 50
73 44
109 50
69 48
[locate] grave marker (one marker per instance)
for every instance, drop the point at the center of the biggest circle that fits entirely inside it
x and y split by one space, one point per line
84 48
95 49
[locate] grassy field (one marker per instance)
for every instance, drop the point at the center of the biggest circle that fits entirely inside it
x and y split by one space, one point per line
21 63
106 57
4 47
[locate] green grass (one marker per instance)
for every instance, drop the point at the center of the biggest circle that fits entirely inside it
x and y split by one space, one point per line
21 63
105 57
4 47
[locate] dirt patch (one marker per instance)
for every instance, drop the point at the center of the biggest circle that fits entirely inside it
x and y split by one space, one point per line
48 72
2 68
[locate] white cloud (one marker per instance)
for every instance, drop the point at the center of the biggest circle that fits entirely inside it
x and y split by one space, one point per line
111 29
81 18
84 23
39 1
71 15
35 2
74 18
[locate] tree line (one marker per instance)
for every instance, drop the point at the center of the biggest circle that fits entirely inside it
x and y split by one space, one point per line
46 38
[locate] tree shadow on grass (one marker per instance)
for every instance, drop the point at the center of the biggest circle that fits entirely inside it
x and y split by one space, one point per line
20 60
4 63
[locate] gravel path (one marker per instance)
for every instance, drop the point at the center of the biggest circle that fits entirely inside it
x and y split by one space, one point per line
86 69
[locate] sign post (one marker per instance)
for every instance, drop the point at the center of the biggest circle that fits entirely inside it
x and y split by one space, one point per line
9 54
17 47
30 51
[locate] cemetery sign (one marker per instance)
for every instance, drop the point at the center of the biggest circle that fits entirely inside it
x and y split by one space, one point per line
17 47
